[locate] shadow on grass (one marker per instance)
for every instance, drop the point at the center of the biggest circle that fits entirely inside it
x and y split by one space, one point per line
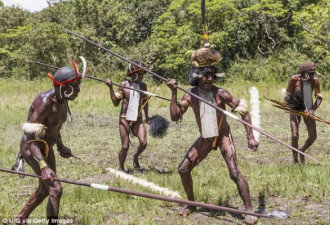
149 170
261 203
220 213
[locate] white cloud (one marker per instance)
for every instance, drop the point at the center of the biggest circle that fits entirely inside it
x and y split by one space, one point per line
31 5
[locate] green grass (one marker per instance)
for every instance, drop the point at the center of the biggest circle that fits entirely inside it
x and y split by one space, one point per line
301 191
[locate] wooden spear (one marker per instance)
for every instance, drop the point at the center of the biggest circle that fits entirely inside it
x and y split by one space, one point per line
98 79
143 194
195 96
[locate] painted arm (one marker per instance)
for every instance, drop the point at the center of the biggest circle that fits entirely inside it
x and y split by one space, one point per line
114 96
240 106
291 85
177 110
146 104
318 96
64 151
36 122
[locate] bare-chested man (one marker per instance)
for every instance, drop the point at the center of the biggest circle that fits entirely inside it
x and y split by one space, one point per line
130 118
46 116
302 86
212 125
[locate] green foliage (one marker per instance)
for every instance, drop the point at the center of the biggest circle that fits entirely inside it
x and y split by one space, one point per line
277 68
314 20
249 32
11 17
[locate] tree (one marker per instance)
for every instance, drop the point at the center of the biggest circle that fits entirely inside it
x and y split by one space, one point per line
314 27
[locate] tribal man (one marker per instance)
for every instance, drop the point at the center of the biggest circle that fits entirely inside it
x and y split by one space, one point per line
130 118
299 94
46 116
214 129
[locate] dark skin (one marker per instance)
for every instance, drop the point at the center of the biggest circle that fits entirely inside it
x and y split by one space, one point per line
202 146
50 110
125 126
295 85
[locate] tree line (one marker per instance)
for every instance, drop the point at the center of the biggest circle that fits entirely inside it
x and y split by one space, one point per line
260 40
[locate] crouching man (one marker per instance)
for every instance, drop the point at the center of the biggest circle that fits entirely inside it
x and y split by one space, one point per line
46 116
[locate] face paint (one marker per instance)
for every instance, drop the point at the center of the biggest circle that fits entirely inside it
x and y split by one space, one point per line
206 81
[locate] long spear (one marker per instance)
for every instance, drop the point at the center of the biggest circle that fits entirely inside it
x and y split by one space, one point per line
195 96
143 194
98 79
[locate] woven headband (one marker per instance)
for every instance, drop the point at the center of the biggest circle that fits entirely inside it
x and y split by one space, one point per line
57 83
134 71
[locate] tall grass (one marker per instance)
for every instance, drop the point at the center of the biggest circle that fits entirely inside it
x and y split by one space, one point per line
302 191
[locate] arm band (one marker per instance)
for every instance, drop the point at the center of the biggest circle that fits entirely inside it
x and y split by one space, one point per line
241 107
42 164
118 95
319 95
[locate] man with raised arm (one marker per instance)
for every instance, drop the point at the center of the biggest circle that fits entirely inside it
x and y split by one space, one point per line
213 126
46 116
130 120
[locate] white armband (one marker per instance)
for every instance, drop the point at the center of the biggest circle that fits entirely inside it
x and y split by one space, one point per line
319 95
241 107
37 129
118 95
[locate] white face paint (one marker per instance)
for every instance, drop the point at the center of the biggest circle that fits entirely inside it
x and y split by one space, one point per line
206 81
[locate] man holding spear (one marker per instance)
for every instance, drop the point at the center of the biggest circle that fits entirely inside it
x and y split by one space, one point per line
299 97
215 131
130 118
46 116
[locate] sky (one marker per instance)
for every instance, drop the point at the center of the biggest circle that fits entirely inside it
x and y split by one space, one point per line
31 5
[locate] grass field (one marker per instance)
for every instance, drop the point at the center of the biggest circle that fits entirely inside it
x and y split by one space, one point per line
301 191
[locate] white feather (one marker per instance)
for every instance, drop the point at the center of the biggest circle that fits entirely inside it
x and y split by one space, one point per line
37 129
283 93
144 183
255 111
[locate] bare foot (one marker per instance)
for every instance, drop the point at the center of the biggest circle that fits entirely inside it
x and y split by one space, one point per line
250 219
302 158
187 210
295 160
136 164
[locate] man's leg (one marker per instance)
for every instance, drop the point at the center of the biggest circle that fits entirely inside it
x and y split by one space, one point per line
311 129
294 124
124 136
229 154
55 192
140 130
39 194
35 200
197 152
